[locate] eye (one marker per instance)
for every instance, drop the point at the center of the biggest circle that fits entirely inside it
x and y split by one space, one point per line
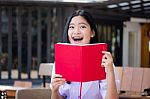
83 26
71 27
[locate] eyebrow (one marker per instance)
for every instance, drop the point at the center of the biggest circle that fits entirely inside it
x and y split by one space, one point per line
79 23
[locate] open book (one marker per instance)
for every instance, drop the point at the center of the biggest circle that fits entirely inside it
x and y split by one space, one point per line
80 63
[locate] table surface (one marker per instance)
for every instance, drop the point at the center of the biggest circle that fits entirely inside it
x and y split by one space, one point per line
122 96
9 90
5 87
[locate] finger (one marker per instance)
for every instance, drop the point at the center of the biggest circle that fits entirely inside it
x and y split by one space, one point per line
58 82
108 56
104 52
57 76
56 85
104 57
106 62
58 79
103 62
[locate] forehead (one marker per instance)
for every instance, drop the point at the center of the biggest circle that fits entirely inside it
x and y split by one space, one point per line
78 19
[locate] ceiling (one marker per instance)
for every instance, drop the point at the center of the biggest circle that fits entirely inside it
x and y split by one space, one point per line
128 8
111 8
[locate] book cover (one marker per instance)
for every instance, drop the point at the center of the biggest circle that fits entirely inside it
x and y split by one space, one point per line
80 63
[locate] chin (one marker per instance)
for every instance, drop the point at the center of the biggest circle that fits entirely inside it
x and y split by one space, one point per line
77 42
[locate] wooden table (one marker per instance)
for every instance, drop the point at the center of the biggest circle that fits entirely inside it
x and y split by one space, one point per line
133 97
8 92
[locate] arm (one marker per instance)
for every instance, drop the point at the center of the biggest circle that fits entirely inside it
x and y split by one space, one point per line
111 87
107 62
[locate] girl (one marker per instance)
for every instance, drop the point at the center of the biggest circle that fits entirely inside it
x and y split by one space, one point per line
80 29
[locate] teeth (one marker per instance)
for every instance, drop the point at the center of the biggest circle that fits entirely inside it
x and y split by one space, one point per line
77 38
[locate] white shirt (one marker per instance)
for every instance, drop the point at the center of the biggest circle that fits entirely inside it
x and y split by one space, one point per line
90 90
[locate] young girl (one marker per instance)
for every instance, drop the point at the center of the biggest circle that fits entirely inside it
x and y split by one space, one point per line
80 29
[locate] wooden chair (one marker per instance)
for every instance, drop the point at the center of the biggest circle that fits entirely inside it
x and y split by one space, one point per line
133 82
146 79
45 69
126 80
26 84
137 77
119 71
33 93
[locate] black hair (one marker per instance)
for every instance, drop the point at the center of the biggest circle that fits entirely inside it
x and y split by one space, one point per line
88 18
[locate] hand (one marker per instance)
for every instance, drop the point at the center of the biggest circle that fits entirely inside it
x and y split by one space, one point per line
57 81
107 62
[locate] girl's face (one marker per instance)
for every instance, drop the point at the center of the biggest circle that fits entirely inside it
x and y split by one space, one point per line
79 31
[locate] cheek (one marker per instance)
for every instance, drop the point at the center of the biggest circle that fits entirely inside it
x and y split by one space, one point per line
87 35
87 38
68 32
69 36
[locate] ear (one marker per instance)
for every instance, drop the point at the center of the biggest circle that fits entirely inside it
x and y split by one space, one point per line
92 33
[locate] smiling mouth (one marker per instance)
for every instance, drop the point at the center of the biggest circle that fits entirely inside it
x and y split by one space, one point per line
77 38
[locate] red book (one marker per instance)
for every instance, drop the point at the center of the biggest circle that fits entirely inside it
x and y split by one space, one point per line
80 63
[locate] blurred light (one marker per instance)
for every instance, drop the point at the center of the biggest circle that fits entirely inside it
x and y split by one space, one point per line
135 10
83 1
149 46
112 6
123 4
145 0
75 1
141 20
146 4
100 0
136 6
136 1
125 8
146 8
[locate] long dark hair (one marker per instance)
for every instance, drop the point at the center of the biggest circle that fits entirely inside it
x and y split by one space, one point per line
89 19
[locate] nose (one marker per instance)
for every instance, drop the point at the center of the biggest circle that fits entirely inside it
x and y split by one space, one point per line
76 30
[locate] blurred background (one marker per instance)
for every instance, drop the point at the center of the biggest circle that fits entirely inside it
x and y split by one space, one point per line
30 28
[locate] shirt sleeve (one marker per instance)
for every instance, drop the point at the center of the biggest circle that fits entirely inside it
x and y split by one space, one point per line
64 90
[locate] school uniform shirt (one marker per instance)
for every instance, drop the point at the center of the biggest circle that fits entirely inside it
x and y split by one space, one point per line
90 90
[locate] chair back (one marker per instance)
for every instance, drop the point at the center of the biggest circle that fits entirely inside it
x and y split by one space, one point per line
26 84
119 71
45 69
33 93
